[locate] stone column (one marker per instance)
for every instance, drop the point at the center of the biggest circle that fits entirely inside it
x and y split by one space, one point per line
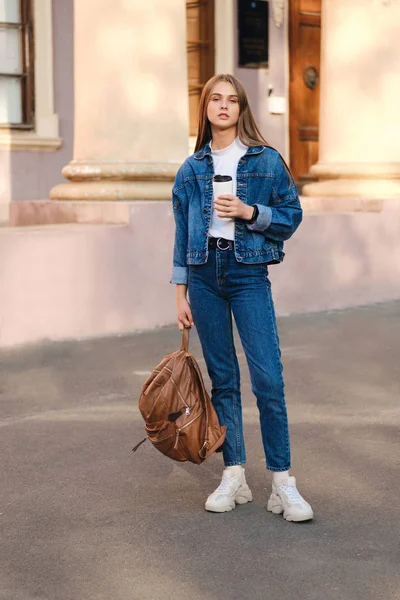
359 147
131 100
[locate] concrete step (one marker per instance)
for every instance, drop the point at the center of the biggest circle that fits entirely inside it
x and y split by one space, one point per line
42 212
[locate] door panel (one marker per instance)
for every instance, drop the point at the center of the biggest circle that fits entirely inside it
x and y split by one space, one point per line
200 52
304 51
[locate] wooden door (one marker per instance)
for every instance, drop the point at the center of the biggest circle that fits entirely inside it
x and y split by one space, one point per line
200 52
304 53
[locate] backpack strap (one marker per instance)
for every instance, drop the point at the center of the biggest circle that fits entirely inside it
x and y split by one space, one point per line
204 448
185 339
139 444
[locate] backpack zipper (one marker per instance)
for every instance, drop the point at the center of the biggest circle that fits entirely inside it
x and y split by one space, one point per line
162 439
178 431
187 407
155 442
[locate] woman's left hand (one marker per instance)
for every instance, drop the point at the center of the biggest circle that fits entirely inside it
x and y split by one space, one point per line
228 205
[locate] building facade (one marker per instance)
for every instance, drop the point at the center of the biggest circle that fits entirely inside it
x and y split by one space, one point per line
98 108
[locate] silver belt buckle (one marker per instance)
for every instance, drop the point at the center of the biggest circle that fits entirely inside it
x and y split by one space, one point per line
219 247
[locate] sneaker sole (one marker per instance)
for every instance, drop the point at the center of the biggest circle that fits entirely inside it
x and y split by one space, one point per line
244 497
298 519
277 509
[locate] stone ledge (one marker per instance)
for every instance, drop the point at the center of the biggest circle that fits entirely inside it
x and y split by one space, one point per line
79 170
28 141
354 189
44 212
54 230
312 205
111 191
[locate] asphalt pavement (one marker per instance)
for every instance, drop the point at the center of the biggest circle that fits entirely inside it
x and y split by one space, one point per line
83 518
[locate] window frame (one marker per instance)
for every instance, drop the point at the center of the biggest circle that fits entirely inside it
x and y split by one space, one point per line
27 75
44 136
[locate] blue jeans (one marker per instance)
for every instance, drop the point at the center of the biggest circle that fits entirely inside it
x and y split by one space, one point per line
217 289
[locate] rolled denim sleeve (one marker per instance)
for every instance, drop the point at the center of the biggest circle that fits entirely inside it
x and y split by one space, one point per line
179 275
180 210
281 218
263 220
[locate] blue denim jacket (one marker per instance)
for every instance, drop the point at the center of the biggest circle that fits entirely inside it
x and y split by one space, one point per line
261 180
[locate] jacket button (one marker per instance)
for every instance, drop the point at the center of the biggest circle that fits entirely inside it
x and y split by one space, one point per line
207 186
205 211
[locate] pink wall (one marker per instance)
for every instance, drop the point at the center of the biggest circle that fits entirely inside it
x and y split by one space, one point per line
71 281
33 174
340 260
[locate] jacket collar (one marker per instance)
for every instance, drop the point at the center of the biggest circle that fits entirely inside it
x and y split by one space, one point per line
206 151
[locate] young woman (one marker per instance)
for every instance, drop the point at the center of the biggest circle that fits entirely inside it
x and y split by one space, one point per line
222 250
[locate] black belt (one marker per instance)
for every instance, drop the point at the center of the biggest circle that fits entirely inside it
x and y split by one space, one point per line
220 243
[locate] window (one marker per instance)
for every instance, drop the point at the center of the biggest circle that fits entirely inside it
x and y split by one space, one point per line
253 34
200 52
16 65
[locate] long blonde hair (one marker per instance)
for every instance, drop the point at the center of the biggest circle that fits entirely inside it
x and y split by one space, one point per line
248 132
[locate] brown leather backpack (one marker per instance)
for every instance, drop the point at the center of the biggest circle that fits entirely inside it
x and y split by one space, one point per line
180 420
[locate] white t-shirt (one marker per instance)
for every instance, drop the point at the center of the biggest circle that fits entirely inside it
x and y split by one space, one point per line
226 163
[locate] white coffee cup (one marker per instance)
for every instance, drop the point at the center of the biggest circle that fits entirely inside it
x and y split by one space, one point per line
222 184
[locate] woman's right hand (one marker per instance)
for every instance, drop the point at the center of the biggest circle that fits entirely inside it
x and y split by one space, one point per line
184 313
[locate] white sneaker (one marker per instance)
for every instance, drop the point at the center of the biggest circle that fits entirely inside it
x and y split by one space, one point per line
232 490
286 499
